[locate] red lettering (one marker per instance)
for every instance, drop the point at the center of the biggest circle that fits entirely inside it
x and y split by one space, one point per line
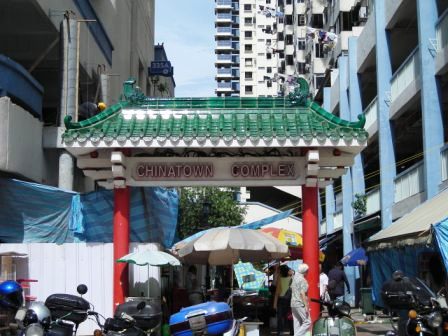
245 171
198 171
264 169
235 170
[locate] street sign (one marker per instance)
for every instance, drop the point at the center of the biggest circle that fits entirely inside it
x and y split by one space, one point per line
160 68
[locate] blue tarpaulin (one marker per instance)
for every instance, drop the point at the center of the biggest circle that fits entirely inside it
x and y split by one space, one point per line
441 237
384 262
34 213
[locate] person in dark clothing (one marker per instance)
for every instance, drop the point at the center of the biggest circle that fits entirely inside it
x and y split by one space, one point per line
282 300
396 296
336 280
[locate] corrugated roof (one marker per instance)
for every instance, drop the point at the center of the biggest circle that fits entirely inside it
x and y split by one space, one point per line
413 224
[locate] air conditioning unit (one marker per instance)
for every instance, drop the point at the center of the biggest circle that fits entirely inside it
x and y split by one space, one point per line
363 13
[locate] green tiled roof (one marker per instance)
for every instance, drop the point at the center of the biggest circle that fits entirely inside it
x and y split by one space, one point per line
229 118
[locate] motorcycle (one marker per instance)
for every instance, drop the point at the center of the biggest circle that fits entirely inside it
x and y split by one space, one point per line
60 315
338 321
428 318
131 319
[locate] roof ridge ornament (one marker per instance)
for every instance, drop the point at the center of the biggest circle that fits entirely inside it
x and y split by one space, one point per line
299 96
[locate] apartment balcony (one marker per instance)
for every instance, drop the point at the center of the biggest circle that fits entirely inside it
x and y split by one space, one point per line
442 44
290 70
281 45
373 203
444 159
224 59
337 221
224 73
371 114
223 18
409 182
223 4
366 42
405 82
224 45
289 9
225 87
301 8
223 31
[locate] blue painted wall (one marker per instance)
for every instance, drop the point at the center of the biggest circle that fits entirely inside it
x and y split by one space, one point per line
387 154
430 97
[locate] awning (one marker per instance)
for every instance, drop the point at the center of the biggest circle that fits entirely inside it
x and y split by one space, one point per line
265 221
414 227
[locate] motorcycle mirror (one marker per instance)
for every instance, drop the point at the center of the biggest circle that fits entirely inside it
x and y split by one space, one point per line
141 305
81 289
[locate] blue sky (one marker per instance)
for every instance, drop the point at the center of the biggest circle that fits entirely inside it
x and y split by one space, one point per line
186 27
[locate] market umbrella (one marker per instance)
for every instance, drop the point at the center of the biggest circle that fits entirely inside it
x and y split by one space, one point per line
228 245
357 257
150 258
294 240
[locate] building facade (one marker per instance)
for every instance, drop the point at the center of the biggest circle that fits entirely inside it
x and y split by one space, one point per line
394 70
41 82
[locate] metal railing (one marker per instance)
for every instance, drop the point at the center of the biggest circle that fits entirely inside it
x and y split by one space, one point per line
224 2
408 72
225 71
224 16
323 227
224 44
371 113
224 85
410 182
224 57
227 30
442 30
444 159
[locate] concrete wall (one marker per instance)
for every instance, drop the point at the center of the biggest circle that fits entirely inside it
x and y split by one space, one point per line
366 42
20 141
61 268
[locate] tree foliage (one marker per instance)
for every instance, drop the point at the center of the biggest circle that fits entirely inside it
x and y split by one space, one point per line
224 210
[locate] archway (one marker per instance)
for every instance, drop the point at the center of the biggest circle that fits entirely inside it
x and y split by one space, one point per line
230 141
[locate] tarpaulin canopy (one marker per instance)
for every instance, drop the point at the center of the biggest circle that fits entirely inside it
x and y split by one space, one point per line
414 227
34 213
441 237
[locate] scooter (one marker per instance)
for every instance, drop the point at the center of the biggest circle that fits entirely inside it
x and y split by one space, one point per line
338 321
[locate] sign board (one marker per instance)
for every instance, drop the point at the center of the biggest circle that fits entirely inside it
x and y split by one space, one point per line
160 68
227 171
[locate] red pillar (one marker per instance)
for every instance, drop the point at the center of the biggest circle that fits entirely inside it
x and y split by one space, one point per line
311 245
121 243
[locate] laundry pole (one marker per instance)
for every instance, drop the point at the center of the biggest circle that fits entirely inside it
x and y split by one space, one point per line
121 244
310 231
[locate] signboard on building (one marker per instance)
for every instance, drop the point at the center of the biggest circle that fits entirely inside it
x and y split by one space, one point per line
180 171
160 68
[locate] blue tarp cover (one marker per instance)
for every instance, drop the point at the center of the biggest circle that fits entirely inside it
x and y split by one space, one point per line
34 213
441 237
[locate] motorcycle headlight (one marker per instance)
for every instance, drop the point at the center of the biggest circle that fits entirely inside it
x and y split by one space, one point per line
34 329
435 319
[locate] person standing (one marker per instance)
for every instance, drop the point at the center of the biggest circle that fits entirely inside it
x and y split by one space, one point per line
192 286
282 300
323 283
299 301
336 280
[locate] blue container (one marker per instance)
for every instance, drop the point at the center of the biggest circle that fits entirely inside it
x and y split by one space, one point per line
213 317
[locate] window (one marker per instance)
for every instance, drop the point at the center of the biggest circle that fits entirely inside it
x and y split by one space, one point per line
248 34
301 44
289 2
268 56
247 7
248 88
268 42
281 54
269 69
300 1
280 36
269 83
248 75
288 19
317 21
248 62
319 80
289 60
346 21
301 20
319 47
248 21
289 39
268 1
248 48
301 68
280 20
